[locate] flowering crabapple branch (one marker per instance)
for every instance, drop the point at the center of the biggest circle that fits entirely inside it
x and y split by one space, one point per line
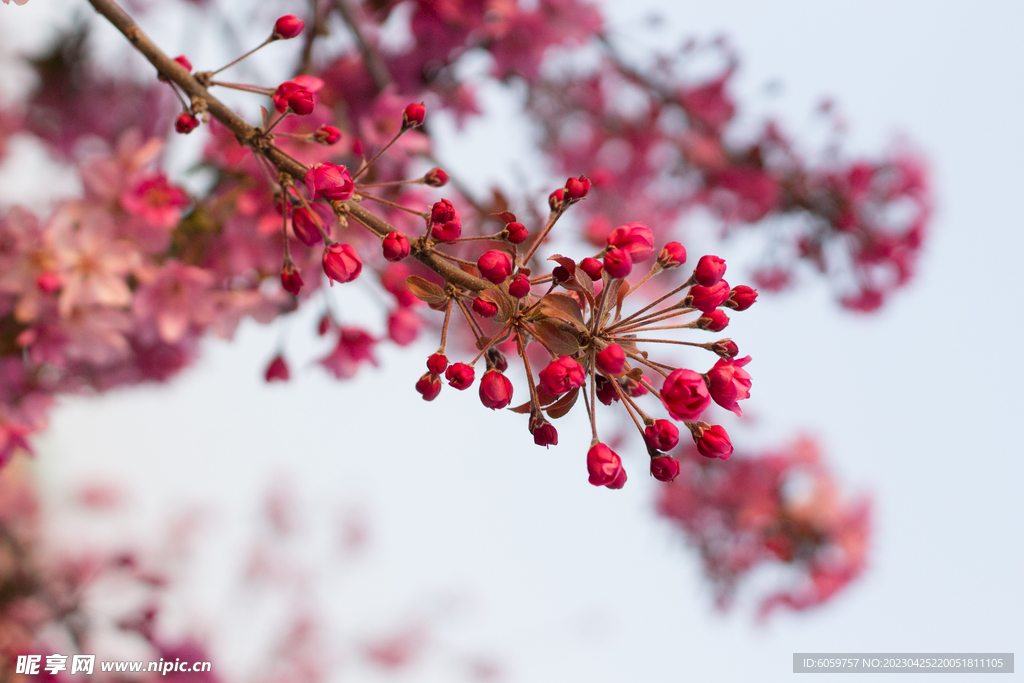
254 138
574 320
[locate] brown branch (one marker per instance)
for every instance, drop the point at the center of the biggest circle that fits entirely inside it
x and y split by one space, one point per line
250 136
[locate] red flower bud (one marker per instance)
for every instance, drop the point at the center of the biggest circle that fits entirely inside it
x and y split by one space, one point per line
283 92
561 375
287 26
342 263
545 435
484 308
516 233
437 363
634 238
329 181
495 266
301 102
741 298
672 255
592 267
520 286
185 123
447 224
560 274
327 135
603 465
305 228
709 270
183 61
556 199
728 383
664 468
413 115
577 188
291 280
436 177
606 393
713 321
685 395
429 386
396 246
661 435
707 299
618 263
460 376
495 390
611 359
277 371
324 325
726 348
712 441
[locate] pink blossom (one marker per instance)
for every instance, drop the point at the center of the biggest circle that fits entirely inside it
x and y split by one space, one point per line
175 298
355 346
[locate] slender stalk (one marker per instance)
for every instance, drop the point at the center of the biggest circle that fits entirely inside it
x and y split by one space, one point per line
266 42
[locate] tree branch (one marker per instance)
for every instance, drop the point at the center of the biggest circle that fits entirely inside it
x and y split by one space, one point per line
249 136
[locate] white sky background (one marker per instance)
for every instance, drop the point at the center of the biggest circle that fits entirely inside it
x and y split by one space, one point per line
563 582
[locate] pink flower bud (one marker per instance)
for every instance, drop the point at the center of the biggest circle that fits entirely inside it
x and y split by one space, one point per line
404 326
329 181
183 61
342 263
634 238
577 188
396 246
741 298
437 363
291 280
709 270
460 376
495 266
672 255
661 435
436 177
707 299
484 308
618 263
685 395
305 228
495 390
520 286
611 359
283 92
413 115
556 199
516 233
712 441
49 282
713 321
287 26
603 465
429 386
726 348
327 135
277 371
447 224
301 102
592 267
561 375
606 393
324 325
185 123
728 383
664 468
544 434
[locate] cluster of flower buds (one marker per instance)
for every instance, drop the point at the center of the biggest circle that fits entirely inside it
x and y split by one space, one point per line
573 320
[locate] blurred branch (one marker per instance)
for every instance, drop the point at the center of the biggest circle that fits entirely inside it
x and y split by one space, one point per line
372 59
